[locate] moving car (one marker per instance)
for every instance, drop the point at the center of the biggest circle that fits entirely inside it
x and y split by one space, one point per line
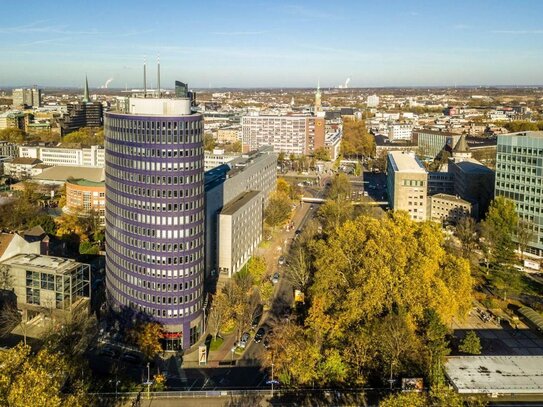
275 278
243 341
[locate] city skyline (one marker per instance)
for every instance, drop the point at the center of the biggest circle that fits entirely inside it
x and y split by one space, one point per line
274 44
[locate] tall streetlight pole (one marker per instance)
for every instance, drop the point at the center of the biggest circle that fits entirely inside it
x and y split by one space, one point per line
148 380
272 380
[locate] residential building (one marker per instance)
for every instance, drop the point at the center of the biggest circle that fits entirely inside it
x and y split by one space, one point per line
372 101
407 183
20 167
84 196
297 135
431 143
332 144
27 97
256 171
46 286
448 209
8 150
218 157
66 155
155 215
519 177
399 131
240 231
228 135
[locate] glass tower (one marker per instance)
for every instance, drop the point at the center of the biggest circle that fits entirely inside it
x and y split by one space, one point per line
155 215
519 177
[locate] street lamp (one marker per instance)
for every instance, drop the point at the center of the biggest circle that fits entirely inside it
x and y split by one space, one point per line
272 380
232 358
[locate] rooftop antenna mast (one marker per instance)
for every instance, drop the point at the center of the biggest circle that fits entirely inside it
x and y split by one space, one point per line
158 74
144 77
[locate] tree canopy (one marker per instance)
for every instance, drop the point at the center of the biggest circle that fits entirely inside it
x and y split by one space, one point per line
356 139
86 136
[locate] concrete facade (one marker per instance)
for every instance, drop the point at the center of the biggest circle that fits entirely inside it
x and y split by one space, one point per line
253 172
93 156
448 209
240 231
83 196
407 183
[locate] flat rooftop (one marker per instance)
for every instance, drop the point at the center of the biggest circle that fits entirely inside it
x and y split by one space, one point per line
59 265
239 202
62 173
496 374
451 198
405 162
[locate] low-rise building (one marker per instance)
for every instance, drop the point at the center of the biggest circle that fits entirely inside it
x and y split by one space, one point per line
240 231
431 142
20 167
84 196
218 157
57 176
407 183
448 209
50 286
228 135
66 155
400 131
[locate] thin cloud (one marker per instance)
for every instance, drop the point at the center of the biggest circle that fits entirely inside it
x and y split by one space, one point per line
518 32
238 33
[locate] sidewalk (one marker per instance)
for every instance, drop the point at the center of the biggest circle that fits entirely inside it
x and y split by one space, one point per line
224 353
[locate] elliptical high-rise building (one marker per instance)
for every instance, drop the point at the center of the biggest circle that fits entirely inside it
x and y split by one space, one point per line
155 215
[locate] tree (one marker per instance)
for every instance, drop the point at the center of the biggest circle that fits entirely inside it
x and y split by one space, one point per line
209 142
466 233
525 233
45 221
433 333
322 154
6 279
340 188
146 336
219 315
356 140
284 187
498 230
256 267
470 344
298 271
86 136
405 400
12 135
278 210
281 157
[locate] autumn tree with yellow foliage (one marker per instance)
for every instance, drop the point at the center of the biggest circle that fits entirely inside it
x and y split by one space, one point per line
146 336
375 281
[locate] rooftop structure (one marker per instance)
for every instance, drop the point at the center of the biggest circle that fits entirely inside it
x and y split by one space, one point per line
405 162
496 374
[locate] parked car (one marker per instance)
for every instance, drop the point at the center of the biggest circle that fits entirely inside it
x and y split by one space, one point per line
266 342
108 351
281 260
275 278
260 334
256 320
243 341
131 358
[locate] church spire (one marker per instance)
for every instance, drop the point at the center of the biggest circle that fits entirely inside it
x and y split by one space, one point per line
86 98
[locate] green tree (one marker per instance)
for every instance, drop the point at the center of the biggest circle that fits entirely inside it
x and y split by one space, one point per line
433 333
524 234
340 188
498 230
466 232
256 267
45 221
470 344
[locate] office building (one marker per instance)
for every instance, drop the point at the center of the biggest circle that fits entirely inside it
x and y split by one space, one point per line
93 156
155 215
49 286
84 114
14 120
240 231
407 183
448 209
473 181
299 135
519 177
228 135
26 97
430 142
218 157
84 196
256 171
399 131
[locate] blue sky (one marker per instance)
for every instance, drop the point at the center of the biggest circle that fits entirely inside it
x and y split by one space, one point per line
272 43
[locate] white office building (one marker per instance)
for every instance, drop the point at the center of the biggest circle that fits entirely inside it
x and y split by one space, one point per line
93 156
399 131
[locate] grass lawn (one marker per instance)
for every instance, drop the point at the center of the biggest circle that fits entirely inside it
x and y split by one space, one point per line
215 344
